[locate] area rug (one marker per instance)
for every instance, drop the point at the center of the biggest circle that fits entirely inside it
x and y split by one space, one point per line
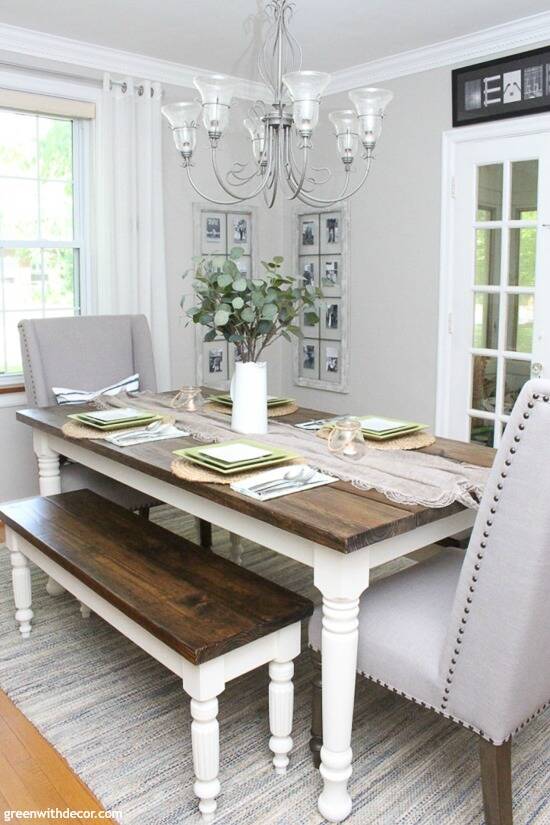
122 722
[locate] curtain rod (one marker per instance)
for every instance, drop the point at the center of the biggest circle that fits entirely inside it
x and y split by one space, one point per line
92 81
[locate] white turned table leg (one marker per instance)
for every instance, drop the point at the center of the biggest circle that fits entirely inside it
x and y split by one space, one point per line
236 552
281 708
22 592
206 754
49 482
85 611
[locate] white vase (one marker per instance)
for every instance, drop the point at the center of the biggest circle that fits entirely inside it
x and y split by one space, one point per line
249 396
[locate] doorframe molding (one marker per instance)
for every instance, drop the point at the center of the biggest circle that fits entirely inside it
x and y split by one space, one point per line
451 139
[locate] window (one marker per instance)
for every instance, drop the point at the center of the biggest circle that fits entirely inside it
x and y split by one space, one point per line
41 227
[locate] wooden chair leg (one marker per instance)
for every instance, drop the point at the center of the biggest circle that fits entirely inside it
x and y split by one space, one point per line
316 741
496 782
205 533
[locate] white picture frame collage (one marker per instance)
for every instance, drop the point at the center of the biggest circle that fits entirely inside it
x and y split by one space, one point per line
216 232
321 356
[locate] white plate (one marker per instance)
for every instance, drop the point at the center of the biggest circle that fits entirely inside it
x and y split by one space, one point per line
122 414
382 425
235 452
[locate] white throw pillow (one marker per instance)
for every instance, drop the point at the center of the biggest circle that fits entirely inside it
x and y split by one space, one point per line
63 395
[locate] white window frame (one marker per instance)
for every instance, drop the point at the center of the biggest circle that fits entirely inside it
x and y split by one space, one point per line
515 127
83 160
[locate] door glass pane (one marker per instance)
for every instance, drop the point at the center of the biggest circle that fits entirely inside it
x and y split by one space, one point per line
516 373
482 431
489 192
484 383
487 268
523 206
523 249
486 309
520 323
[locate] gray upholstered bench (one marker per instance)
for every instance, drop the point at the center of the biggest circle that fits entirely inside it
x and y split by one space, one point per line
203 617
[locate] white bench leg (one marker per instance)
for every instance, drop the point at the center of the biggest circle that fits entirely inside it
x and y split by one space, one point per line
205 737
84 611
281 708
236 552
49 482
22 593
53 588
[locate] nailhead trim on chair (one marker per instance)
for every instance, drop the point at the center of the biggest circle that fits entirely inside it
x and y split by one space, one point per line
28 362
477 568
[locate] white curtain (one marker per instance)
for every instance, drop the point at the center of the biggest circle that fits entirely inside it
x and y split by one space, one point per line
130 260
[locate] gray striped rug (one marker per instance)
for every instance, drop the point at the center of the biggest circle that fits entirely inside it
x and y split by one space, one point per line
122 722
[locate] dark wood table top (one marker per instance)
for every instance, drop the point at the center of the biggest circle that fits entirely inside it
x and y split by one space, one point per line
197 603
338 515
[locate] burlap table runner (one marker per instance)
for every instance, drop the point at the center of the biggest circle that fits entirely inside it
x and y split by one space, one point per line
188 471
403 476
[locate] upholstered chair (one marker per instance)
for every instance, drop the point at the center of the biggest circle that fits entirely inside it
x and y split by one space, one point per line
87 353
467 634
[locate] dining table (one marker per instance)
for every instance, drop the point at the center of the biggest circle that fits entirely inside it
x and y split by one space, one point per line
338 530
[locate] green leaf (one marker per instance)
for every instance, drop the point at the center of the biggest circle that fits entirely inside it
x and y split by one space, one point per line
237 302
248 315
269 311
236 253
239 285
257 298
210 335
264 327
311 318
278 259
221 318
224 279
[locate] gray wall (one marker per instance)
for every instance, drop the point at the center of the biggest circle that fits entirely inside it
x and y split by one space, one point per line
18 477
395 235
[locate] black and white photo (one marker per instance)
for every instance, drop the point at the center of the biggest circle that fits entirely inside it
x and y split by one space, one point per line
331 321
330 273
309 234
331 364
308 273
506 87
331 316
309 366
215 360
213 231
309 362
239 231
331 232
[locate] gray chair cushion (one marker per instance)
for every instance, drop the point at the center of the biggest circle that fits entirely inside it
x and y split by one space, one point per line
403 621
86 352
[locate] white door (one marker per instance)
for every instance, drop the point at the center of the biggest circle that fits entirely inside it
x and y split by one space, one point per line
495 325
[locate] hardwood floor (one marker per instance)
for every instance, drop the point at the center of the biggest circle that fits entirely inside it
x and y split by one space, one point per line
33 776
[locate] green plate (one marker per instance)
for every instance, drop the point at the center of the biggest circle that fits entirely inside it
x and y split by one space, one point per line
226 399
118 425
277 456
396 434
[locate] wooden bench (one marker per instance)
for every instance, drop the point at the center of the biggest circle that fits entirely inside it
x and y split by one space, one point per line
204 618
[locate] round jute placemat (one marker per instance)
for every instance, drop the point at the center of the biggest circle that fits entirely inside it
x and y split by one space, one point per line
72 429
273 412
404 442
188 471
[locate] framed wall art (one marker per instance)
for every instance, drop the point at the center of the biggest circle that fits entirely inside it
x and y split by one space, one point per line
216 232
321 249
508 87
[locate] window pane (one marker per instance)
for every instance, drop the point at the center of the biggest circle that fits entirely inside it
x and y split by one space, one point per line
523 250
17 144
489 192
486 309
59 271
516 374
56 211
525 175
484 383
55 149
22 278
482 431
487 267
18 209
521 310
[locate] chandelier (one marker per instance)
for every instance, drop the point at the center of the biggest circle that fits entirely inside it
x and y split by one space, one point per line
281 132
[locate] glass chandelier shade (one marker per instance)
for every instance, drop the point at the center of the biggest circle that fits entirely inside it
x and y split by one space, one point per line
216 91
370 104
346 128
305 89
256 129
183 118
